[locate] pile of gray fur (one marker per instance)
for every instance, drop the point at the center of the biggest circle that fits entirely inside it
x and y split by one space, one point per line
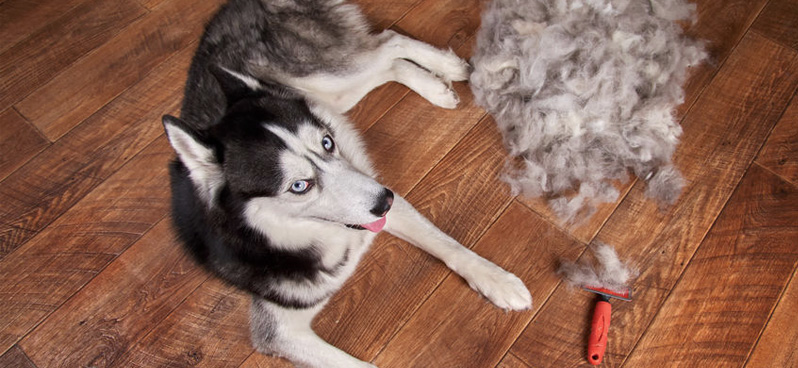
584 91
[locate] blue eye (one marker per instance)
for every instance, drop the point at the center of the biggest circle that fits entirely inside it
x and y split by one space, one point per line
301 186
328 143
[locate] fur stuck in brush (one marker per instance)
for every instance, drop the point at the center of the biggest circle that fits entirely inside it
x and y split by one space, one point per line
610 273
584 91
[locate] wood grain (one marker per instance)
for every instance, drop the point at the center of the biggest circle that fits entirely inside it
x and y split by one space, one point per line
60 260
776 345
722 134
721 24
258 360
779 22
59 177
407 142
433 337
210 329
87 85
462 209
584 229
15 358
452 22
119 306
21 18
780 153
715 313
510 361
33 61
382 15
19 141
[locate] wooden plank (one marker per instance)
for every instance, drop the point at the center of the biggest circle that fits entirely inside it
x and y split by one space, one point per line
19 141
779 22
357 320
383 14
776 347
407 142
119 306
722 134
453 23
780 153
59 177
96 79
434 336
211 329
257 360
30 63
584 229
60 260
22 18
15 358
715 313
722 24
510 361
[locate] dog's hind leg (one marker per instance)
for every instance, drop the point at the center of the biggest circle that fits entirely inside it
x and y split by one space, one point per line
442 63
286 332
422 82
502 288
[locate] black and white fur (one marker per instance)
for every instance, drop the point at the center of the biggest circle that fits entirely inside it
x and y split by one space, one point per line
271 184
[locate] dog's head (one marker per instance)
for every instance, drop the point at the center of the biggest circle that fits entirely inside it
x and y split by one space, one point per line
283 162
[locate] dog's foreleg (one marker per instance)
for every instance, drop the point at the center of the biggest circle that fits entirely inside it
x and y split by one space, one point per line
502 288
286 332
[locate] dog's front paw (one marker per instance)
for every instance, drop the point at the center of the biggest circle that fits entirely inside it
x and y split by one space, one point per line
452 68
446 98
502 288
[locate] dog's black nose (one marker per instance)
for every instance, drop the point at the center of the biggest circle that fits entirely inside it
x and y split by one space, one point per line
384 203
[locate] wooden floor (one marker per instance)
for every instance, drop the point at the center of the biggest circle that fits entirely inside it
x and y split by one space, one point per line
92 277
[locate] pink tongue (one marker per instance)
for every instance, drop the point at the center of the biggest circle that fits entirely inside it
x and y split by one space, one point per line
375 226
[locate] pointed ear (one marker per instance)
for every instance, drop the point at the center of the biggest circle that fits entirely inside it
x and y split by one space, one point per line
235 85
199 157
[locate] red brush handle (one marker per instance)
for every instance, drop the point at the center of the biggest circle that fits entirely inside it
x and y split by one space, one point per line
597 342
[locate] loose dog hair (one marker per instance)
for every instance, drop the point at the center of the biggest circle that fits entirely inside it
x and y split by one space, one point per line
583 91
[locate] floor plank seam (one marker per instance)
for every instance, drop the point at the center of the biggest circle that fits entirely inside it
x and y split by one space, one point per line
65 301
686 264
91 189
44 82
770 315
155 325
448 274
144 76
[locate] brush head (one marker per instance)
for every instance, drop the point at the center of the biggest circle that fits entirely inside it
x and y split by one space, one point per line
624 294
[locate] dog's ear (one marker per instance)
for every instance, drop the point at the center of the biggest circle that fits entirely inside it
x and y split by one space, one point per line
196 154
234 85
237 86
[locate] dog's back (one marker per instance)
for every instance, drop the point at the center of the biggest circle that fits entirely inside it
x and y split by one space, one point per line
271 40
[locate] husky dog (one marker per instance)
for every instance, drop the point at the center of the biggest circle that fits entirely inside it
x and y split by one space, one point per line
272 190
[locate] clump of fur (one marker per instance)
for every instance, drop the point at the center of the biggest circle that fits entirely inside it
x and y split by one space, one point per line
583 92
610 272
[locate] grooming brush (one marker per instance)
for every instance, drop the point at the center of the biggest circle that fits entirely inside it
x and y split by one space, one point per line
599 328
